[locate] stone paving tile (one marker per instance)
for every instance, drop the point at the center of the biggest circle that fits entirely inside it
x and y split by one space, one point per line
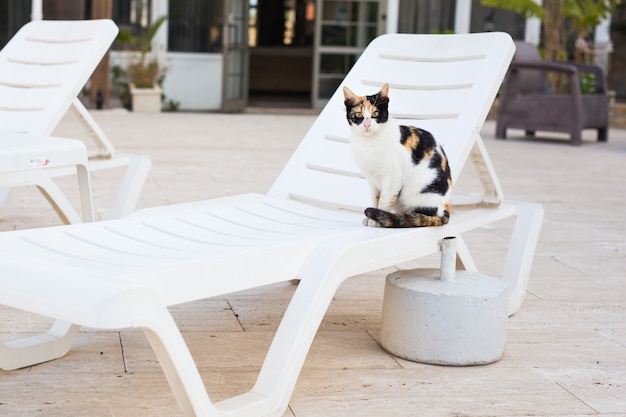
566 349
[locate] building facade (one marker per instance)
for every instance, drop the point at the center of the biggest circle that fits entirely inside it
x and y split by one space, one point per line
225 54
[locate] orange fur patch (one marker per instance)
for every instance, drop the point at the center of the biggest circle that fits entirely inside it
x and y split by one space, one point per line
412 142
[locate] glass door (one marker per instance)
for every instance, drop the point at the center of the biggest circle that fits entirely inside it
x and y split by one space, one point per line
236 56
343 30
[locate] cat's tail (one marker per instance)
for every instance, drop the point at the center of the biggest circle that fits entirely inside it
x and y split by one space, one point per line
409 219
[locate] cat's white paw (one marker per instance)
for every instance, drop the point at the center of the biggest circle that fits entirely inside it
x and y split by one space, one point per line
369 222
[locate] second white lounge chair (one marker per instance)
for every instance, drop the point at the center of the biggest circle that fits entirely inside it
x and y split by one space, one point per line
126 273
43 69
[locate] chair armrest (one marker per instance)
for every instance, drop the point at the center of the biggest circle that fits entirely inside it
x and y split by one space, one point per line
563 67
570 68
545 66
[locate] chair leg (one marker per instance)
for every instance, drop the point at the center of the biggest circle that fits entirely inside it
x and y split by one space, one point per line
521 251
500 131
325 269
576 137
177 363
268 399
50 190
322 273
37 349
84 187
131 186
58 200
270 396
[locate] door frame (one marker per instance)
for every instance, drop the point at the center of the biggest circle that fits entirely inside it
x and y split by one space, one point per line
236 55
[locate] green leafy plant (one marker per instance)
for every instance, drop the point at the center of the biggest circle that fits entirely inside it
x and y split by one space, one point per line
561 20
582 15
587 83
143 69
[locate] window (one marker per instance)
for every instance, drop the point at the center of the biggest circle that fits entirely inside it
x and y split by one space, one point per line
13 15
281 22
195 25
426 16
489 19
132 15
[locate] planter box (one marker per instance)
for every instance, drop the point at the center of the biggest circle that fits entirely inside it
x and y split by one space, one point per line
146 100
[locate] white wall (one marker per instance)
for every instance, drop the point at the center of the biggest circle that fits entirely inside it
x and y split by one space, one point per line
194 80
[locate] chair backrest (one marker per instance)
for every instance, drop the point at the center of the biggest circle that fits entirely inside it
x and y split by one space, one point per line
443 83
44 67
529 81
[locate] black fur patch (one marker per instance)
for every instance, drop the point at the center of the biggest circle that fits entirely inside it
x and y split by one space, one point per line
414 219
428 211
438 186
426 143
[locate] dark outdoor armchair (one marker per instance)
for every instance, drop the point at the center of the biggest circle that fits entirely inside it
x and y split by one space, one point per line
526 104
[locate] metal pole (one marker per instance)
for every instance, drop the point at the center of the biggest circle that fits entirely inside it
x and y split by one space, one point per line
448 259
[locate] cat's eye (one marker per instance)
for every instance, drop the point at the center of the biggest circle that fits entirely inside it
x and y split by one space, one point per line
375 114
358 114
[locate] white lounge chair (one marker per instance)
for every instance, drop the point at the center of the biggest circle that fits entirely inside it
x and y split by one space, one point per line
125 273
43 69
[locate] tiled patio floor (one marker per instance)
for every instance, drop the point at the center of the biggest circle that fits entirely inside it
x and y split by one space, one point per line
566 350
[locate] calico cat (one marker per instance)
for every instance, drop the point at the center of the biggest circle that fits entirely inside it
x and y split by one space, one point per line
407 170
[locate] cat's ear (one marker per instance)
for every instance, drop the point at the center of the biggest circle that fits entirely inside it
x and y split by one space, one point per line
382 97
348 95
384 91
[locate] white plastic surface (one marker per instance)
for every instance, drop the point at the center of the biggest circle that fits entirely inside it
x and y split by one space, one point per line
125 273
43 68
26 160
21 152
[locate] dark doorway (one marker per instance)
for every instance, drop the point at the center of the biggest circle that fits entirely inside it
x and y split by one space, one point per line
13 15
281 53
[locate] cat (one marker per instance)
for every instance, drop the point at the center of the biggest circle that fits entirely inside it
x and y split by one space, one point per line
405 167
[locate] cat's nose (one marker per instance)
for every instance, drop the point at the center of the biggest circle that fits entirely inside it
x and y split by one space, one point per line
367 123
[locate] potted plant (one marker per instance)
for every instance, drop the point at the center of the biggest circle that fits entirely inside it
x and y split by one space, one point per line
143 72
